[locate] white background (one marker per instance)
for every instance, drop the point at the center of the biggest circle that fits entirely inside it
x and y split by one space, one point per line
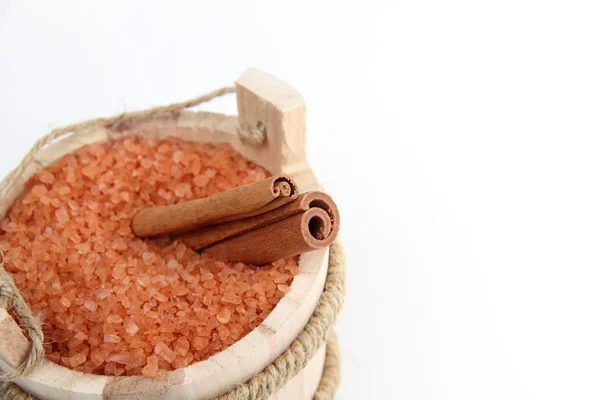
460 140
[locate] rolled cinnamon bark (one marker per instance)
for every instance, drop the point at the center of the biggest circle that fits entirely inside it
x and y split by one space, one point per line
309 230
209 235
241 202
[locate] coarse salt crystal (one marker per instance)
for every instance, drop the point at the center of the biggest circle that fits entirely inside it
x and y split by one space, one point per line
65 302
224 315
201 180
181 346
164 351
78 359
186 276
46 177
122 358
206 277
90 305
172 264
283 288
97 356
180 362
62 215
131 328
252 303
64 190
112 339
200 342
209 284
114 319
39 190
144 280
230 298
279 263
102 293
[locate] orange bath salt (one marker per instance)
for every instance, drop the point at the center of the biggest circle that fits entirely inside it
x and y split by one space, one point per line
224 316
283 288
112 303
231 298
131 328
164 351
114 319
77 359
200 343
151 367
252 303
120 358
180 362
97 357
111 339
182 346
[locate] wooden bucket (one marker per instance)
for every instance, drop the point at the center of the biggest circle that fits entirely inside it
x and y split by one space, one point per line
272 117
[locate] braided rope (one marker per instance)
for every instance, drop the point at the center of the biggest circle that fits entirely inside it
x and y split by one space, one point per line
10 391
275 375
330 380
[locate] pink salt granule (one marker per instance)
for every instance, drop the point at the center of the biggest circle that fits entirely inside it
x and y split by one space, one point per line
114 304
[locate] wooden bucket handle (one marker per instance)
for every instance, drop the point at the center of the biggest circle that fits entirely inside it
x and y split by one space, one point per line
275 109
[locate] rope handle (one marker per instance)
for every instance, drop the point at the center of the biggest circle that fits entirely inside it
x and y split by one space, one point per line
255 135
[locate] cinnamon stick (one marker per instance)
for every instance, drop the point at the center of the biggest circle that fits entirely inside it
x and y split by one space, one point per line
208 235
309 230
241 202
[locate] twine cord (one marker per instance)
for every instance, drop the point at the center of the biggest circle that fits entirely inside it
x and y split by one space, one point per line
253 135
330 380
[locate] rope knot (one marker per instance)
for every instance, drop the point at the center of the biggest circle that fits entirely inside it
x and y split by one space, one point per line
256 134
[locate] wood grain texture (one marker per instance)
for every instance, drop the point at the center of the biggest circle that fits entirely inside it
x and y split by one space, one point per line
264 100
245 358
